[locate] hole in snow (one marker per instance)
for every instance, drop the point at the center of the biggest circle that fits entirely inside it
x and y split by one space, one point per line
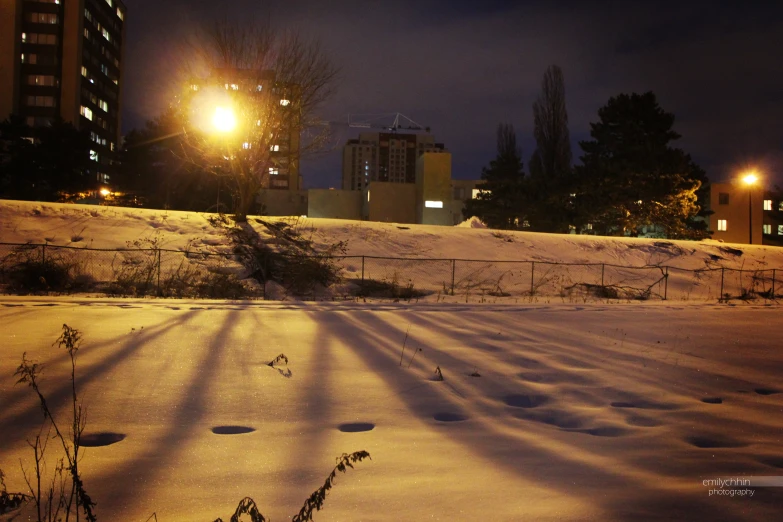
766 391
232 430
355 427
526 401
94 440
449 417
712 400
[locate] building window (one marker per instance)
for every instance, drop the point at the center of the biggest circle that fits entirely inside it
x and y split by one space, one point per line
93 155
41 39
30 58
120 14
86 112
103 105
42 18
280 183
106 34
722 224
780 206
275 148
589 226
767 204
41 79
723 198
433 204
274 171
40 101
780 230
767 229
285 102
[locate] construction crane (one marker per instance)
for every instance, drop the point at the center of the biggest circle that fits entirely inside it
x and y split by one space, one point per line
380 121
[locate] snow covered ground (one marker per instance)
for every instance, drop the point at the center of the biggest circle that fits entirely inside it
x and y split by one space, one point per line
114 227
593 412
581 411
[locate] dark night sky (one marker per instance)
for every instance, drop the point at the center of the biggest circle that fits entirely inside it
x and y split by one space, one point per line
463 67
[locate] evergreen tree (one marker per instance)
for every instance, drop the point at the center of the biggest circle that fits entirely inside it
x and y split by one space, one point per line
632 177
501 201
551 181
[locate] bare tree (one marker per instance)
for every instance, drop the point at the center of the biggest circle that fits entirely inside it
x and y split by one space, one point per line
250 105
550 164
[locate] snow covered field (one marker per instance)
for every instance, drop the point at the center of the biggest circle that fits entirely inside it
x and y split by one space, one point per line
580 411
594 412
114 227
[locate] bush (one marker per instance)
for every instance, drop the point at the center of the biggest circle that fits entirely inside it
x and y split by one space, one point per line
33 269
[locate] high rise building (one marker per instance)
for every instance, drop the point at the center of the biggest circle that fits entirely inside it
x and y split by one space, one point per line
64 58
384 156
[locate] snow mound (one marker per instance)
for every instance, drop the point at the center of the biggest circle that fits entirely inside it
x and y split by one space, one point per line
472 222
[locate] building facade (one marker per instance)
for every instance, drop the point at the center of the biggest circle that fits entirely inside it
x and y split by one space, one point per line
385 157
64 59
740 212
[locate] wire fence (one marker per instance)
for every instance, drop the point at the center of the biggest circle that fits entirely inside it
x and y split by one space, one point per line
30 268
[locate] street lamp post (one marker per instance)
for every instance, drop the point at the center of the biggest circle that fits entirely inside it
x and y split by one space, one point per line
750 180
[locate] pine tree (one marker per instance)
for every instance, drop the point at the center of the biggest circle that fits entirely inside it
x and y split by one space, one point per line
501 201
551 180
632 177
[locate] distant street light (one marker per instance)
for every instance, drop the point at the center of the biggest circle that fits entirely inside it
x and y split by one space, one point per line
750 179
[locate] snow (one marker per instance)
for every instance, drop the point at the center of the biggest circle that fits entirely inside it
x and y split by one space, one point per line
115 227
588 411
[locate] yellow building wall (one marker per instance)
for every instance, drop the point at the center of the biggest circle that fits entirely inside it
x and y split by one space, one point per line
433 183
335 204
736 212
390 202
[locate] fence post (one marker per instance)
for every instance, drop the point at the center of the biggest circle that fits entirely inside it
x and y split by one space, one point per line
603 266
666 284
532 274
453 272
722 272
43 252
362 269
773 283
158 272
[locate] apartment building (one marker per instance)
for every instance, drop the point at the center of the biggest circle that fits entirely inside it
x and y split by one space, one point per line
746 215
384 157
64 58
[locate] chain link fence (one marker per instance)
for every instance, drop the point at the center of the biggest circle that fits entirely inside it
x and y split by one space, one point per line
30 268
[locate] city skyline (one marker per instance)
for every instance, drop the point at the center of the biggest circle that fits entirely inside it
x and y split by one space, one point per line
462 69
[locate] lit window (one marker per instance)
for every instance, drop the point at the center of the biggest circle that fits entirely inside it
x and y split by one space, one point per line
120 14
476 193
234 87
246 145
259 88
767 204
767 229
112 146
103 105
24 37
723 198
433 204
110 2
93 155
780 230
194 87
368 193
86 33
106 34
84 71
29 58
722 225
274 148
589 226
274 171
284 102
86 112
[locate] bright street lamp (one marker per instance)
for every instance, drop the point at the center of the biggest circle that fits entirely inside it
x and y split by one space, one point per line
224 119
750 179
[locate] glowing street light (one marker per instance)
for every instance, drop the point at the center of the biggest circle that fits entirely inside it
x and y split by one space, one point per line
750 179
224 119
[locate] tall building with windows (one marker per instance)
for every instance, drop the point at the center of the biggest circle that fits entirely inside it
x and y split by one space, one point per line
384 156
64 58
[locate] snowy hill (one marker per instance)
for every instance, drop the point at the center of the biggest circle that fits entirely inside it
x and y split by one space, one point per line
115 227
